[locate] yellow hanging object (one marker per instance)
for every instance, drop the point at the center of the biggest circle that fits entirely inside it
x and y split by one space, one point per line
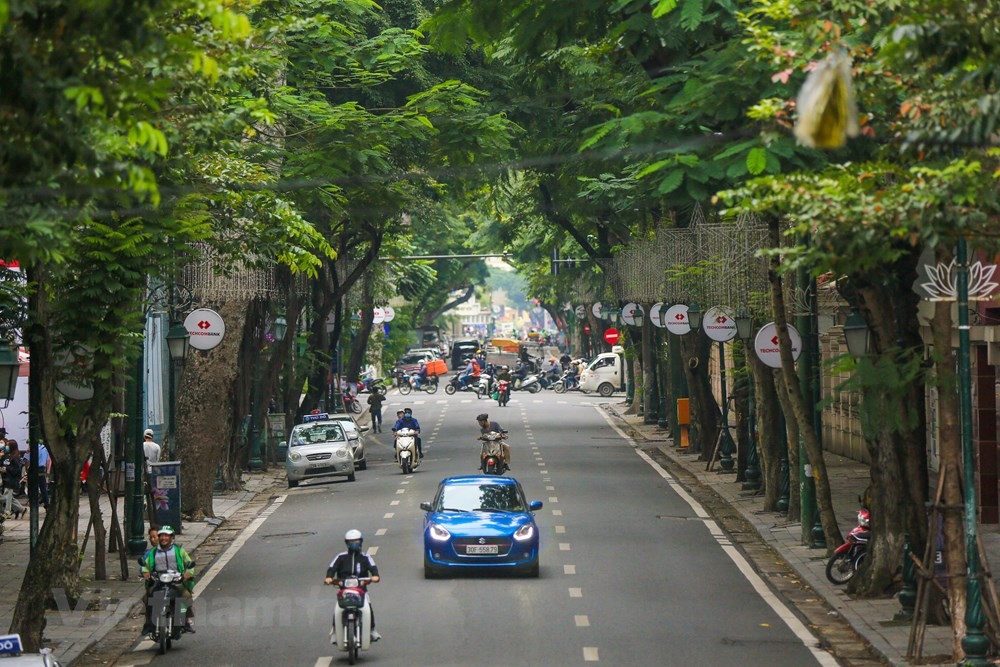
827 113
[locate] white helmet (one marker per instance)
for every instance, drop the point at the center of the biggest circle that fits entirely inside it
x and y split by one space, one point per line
353 538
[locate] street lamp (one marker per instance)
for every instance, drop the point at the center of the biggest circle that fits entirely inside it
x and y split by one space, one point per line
177 342
694 317
278 330
744 329
177 345
856 334
9 367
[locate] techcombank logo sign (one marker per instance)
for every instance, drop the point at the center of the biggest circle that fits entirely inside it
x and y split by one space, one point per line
205 328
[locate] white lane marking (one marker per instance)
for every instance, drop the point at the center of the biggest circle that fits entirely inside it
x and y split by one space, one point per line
590 654
556 512
582 621
553 499
550 488
399 491
783 612
381 531
388 515
372 551
576 592
204 580
394 502
569 569
325 661
560 529
407 481
564 546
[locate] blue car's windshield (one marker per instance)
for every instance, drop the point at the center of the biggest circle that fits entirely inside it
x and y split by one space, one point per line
483 498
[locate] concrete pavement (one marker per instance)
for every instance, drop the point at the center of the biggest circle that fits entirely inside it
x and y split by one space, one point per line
871 618
104 604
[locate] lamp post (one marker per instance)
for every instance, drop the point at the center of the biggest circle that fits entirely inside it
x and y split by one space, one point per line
278 330
744 329
856 334
661 384
974 643
177 346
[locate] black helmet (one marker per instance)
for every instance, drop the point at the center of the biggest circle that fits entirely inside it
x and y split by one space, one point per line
483 417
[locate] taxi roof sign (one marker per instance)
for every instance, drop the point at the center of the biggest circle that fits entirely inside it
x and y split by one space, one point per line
10 644
316 417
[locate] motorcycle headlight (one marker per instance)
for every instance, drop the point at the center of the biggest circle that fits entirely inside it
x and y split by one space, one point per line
525 532
294 456
438 533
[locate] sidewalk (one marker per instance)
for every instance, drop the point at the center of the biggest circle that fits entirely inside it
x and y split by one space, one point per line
104 604
872 619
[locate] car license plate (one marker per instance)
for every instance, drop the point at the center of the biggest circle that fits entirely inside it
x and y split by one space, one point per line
481 549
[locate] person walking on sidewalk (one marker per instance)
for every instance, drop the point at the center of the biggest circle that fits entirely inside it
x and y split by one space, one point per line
375 400
11 468
150 449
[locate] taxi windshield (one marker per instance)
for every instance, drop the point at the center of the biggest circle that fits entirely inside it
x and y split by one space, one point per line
314 434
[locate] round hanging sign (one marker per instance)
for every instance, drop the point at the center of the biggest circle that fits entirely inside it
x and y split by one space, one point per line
205 328
598 310
378 316
629 313
677 319
766 344
388 314
654 313
719 323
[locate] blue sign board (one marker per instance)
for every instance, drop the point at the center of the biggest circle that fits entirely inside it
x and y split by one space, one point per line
165 479
318 417
10 644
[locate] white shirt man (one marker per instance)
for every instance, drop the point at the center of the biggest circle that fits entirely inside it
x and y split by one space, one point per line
150 449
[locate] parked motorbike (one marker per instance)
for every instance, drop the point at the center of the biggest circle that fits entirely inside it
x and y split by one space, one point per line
455 385
503 392
491 460
406 450
352 620
430 385
352 404
169 609
846 560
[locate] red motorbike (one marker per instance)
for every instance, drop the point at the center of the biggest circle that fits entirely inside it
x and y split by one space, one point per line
503 392
846 560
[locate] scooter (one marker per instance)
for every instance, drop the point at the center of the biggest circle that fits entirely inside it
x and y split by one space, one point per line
455 385
169 609
372 385
846 560
352 620
430 385
491 460
406 450
503 392
567 382
530 383
352 404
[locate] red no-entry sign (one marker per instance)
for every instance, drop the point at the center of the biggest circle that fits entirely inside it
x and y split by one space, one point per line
586 328
611 336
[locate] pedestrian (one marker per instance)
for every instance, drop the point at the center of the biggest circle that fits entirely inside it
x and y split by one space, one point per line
11 468
375 400
44 471
150 449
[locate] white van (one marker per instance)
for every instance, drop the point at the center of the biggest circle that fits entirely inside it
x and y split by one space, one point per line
605 374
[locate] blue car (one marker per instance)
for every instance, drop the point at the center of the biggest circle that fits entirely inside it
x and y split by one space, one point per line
480 522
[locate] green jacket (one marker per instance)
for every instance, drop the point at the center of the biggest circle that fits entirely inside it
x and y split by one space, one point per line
183 561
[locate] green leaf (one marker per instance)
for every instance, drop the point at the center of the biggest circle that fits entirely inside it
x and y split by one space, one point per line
756 161
672 181
663 7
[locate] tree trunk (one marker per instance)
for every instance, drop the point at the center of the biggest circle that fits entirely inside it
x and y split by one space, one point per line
950 449
704 427
206 405
802 413
791 444
770 434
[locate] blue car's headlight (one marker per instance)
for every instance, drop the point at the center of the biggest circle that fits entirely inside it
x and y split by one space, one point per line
438 533
525 532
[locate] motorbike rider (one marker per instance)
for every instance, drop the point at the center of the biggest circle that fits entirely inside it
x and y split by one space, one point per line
168 556
420 377
409 421
354 563
520 372
485 426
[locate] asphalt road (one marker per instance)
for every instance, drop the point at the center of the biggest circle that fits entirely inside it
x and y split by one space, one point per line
632 570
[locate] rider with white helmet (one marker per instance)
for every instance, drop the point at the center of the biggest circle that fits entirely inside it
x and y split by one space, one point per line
354 563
